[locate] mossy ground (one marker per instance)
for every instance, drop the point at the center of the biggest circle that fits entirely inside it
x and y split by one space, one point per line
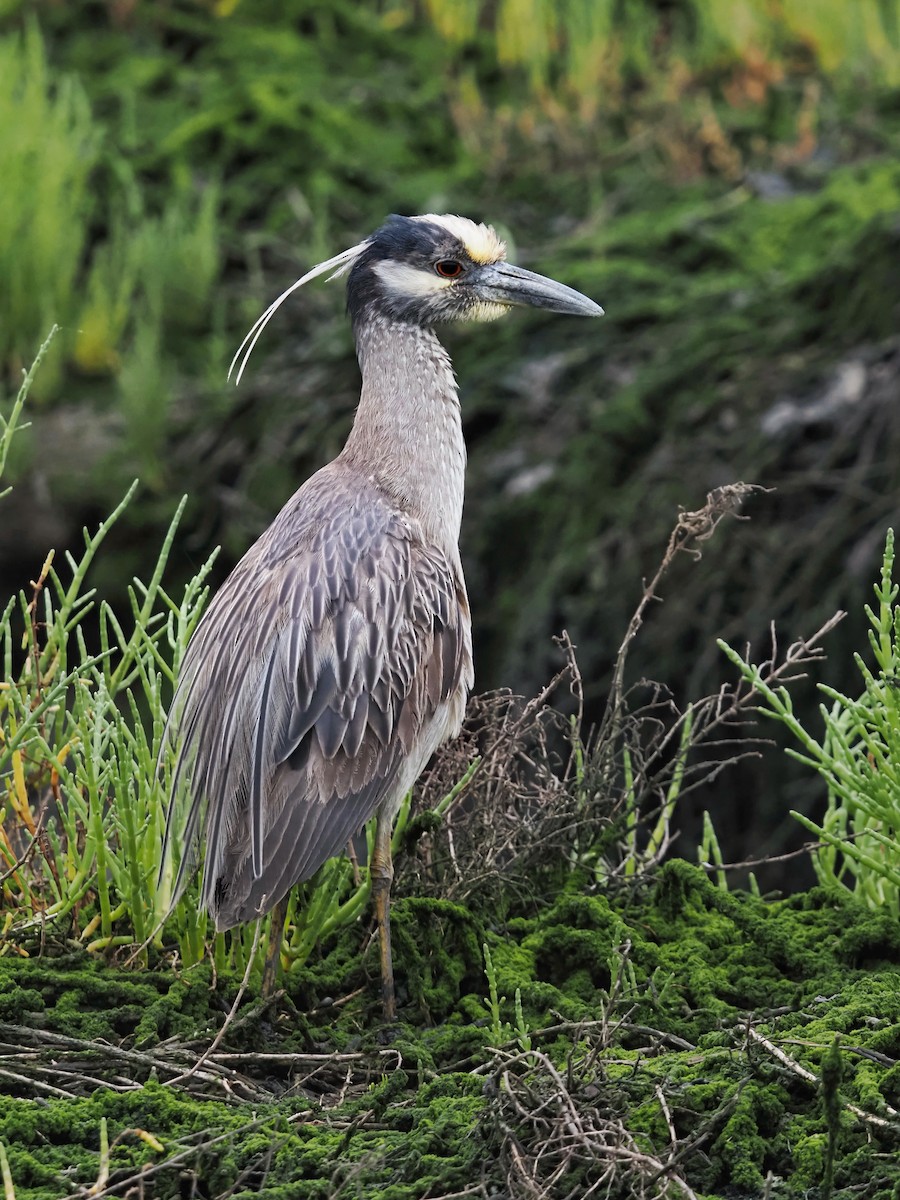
685 1011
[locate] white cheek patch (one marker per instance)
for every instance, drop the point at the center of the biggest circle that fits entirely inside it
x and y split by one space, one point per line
407 282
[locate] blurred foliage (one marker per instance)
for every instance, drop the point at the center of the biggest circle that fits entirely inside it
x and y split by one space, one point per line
544 36
48 149
587 54
715 310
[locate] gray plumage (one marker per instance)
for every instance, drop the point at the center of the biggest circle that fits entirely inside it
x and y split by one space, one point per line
337 656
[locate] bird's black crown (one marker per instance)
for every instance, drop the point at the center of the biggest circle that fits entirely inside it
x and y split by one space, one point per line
416 269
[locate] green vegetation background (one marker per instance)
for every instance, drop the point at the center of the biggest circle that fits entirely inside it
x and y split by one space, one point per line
721 176
724 179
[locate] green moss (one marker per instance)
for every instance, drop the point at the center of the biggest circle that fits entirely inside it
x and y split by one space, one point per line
740 1151
439 945
676 975
81 995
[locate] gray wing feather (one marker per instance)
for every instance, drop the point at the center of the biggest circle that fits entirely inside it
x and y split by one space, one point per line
309 685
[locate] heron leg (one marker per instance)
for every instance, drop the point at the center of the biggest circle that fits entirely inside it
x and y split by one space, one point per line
273 953
381 871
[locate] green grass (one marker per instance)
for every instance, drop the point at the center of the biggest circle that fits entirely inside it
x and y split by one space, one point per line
857 755
49 146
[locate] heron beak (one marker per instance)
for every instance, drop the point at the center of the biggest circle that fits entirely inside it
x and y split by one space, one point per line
502 283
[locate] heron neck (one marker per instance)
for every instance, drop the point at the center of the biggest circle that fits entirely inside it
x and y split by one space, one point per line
407 433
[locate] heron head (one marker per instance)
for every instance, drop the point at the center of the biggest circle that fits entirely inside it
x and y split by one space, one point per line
428 269
423 270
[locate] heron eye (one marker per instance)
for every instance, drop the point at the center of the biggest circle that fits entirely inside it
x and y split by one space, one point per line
449 268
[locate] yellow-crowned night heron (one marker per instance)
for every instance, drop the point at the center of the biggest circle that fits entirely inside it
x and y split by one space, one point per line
337 656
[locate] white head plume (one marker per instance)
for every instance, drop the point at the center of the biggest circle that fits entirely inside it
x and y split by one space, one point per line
338 265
